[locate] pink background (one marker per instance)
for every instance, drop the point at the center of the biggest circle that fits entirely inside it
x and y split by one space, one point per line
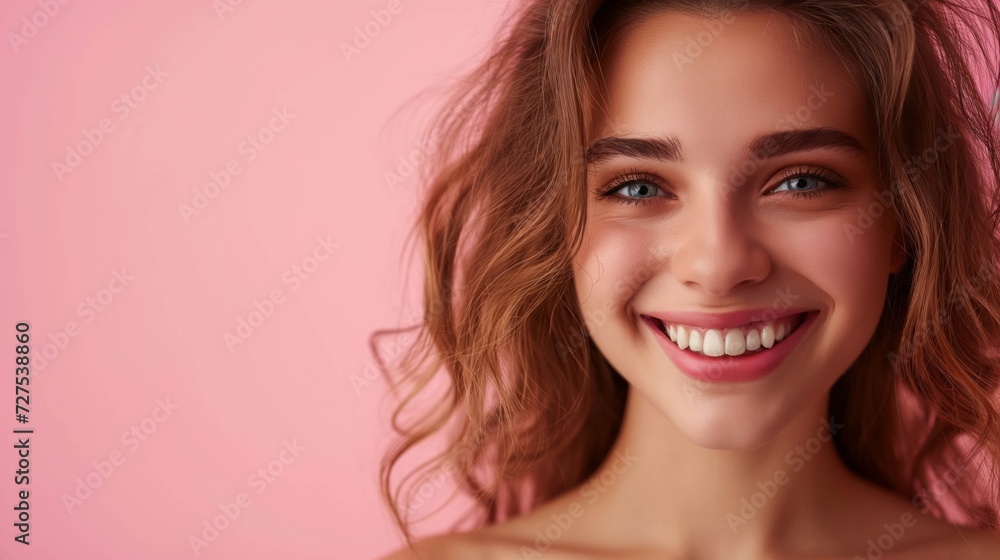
200 81
131 295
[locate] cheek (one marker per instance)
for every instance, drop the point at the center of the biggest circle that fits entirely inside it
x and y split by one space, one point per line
850 269
614 262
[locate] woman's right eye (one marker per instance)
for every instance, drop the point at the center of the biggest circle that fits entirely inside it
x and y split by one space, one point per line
632 189
638 190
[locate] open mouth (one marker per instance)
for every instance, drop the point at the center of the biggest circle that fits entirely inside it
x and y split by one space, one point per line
744 340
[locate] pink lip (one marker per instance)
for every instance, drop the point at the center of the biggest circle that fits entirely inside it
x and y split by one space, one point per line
723 320
730 368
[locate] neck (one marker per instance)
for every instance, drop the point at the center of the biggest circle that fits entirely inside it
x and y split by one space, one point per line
722 503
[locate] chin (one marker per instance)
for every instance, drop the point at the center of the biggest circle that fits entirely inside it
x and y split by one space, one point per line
731 418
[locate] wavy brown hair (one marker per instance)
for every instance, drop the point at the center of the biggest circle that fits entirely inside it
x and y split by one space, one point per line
532 407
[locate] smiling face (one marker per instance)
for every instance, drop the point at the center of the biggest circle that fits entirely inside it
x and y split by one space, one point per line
732 195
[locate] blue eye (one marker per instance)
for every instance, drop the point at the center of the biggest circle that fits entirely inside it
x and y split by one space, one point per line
633 187
638 190
809 184
800 183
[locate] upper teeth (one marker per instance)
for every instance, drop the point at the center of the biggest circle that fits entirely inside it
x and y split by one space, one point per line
733 341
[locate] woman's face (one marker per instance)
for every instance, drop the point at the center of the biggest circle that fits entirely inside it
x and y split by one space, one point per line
746 220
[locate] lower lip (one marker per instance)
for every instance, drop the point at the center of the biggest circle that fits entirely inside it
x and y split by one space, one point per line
722 369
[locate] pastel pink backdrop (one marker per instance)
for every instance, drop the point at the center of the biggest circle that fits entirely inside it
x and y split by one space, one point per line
167 284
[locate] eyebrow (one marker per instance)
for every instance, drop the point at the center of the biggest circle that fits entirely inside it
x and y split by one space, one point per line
769 145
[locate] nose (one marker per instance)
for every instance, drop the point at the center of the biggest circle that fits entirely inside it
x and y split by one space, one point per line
718 248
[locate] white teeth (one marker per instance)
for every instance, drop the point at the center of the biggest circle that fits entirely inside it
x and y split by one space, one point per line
732 341
767 336
682 337
736 343
713 345
694 343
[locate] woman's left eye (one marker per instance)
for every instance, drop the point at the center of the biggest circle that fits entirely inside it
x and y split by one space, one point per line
808 184
801 184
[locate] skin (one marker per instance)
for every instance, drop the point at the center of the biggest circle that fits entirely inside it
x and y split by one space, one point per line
690 451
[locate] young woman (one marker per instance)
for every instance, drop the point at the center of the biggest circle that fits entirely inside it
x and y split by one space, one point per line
716 279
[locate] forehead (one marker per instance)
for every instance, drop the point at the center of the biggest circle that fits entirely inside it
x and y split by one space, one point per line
743 72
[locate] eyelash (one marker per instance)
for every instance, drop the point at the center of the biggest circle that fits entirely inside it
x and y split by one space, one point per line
631 176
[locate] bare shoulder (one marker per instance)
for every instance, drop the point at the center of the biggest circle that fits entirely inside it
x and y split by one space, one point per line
466 546
962 543
936 539
445 547
548 531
